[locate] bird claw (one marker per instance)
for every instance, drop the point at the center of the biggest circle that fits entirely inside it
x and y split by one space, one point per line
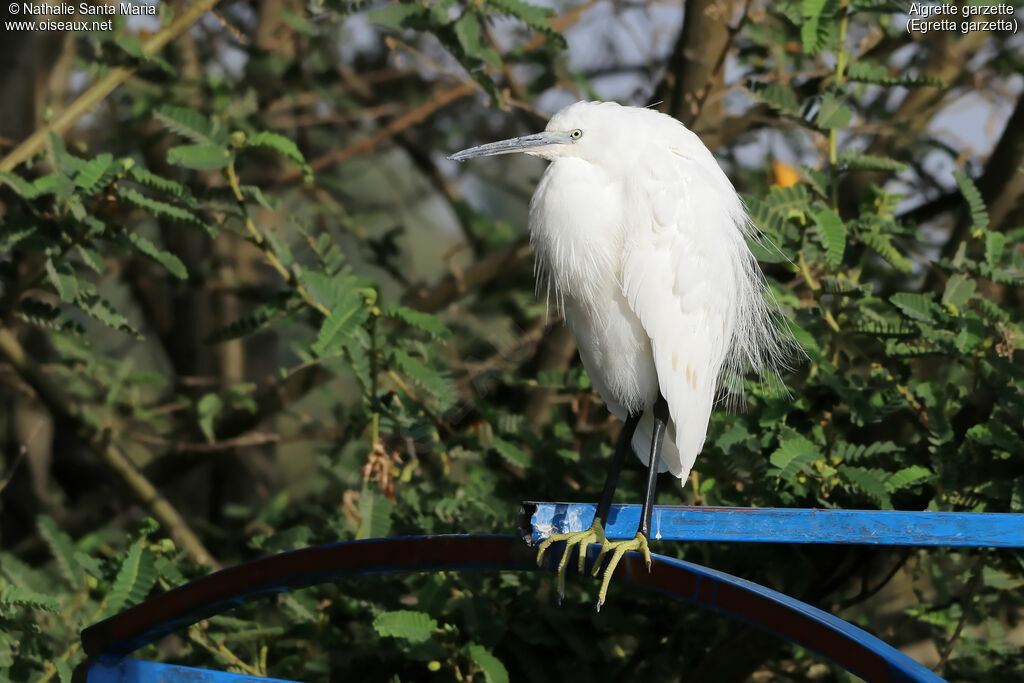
618 548
577 539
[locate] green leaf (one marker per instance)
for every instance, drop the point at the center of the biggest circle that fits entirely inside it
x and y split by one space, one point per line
63 279
337 328
998 435
855 160
263 316
157 208
255 193
63 670
793 455
868 71
24 188
468 31
919 307
40 313
15 596
533 16
98 308
959 288
192 125
399 15
93 176
207 410
777 97
491 666
421 321
374 514
422 375
512 453
816 30
995 243
327 290
868 481
63 551
134 579
165 258
979 214
882 244
156 182
832 233
906 477
416 627
283 146
199 157
833 113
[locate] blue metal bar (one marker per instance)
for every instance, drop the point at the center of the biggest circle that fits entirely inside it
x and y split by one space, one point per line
852 648
138 671
777 525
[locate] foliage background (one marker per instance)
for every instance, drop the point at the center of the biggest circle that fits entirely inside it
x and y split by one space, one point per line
248 306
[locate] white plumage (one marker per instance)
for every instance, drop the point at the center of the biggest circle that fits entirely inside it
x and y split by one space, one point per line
640 239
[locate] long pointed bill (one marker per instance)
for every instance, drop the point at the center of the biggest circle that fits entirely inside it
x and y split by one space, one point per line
527 144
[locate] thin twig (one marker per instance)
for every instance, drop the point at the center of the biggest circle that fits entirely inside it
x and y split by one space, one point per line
411 118
99 442
103 87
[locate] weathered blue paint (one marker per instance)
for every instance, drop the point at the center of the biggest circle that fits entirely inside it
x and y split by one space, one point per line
777 525
850 647
137 671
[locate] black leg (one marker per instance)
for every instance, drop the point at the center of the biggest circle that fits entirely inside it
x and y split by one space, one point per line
660 420
621 448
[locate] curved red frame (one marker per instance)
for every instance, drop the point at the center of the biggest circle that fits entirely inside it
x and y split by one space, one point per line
852 648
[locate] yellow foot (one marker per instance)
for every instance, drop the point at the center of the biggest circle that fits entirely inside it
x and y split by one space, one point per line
580 539
618 549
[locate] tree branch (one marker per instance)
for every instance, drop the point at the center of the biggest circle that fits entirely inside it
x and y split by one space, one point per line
103 87
99 442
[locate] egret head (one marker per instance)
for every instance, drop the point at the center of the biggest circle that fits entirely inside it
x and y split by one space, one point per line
586 130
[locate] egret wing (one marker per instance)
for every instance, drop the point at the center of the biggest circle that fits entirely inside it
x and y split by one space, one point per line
678 278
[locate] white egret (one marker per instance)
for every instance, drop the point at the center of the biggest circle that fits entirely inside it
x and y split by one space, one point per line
640 237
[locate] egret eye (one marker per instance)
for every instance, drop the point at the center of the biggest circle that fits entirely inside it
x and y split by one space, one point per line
576 134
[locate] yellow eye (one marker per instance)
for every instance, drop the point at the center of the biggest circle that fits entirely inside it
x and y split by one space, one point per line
576 134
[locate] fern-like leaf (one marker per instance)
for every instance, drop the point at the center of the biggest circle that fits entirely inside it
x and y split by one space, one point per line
262 317
882 245
794 454
832 233
907 477
421 321
144 246
336 329
157 208
155 182
867 71
15 596
96 174
192 125
416 627
870 482
63 551
533 16
777 97
134 579
920 307
199 157
283 146
979 213
855 160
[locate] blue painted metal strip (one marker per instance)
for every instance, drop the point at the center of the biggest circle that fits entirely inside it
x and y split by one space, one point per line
850 647
138 671
778 525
